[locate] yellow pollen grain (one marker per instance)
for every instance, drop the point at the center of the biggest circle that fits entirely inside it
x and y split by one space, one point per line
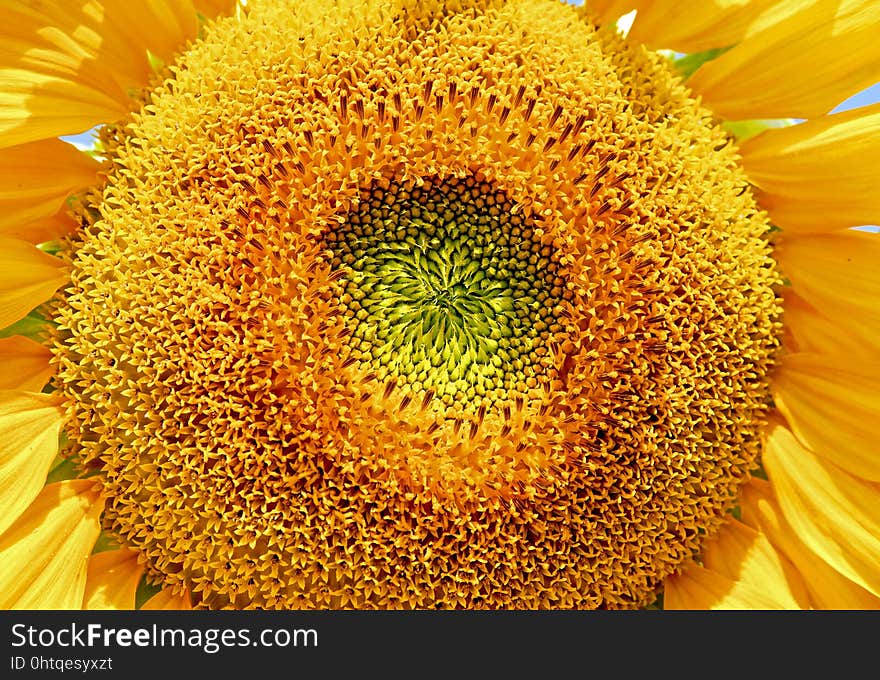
256 443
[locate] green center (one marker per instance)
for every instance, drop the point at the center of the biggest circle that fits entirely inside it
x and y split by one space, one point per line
447 288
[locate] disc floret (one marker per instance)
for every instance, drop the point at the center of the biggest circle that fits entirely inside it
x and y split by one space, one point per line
448 289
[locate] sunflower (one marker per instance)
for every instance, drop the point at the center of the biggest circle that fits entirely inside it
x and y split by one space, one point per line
462 304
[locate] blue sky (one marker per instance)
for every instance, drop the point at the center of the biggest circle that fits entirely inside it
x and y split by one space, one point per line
863 98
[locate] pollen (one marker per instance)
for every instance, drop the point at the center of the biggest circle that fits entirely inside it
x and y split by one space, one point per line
417 305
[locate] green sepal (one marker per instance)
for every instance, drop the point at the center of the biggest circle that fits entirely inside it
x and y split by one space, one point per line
145 591
62 469
744 129
156 62
51 247
656 605
104 543
32 326
689 63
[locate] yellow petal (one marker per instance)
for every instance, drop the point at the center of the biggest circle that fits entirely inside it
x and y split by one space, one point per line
130 29
799 60
24 364
42 230
166 599
58 39
834 513
112 580
28 277
809 331
699 588
821 175
36 178
828 588
51 82
743 554
34 106
44 555
838 276
833 406
66 67
29 429
695 26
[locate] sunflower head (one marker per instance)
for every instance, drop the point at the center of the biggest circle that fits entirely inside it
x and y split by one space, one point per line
480 283
414 305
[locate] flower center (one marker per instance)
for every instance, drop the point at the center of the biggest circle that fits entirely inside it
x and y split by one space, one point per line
417 304
447 290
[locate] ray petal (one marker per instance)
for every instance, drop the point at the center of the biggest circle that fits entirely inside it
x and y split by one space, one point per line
29 428
35 180
809 331
28 277
834 513
24 364
696 587
828 588
837 276
821 175
743 554
167 599
800 60
112 580
695 26
66 67
44 555
833 406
